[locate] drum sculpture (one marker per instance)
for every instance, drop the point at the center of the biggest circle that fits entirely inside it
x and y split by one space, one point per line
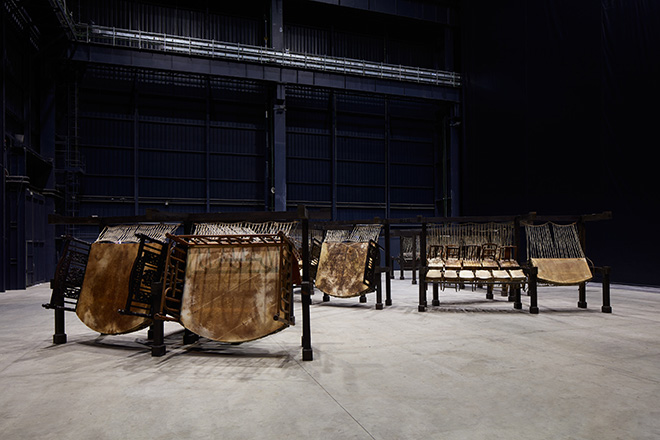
348 261
228 288
95 280
557 258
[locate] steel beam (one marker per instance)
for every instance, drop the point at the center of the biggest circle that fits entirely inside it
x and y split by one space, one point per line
134 58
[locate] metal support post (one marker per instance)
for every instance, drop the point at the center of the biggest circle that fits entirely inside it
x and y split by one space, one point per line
279 148
379 287
59 337
388 260
306 292
607 308
422 273
436 295
533 291
582 296
414 259
158 338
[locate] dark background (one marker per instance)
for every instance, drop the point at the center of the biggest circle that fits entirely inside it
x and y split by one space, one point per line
561 112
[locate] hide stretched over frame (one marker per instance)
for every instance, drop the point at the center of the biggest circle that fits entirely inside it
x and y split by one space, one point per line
232 288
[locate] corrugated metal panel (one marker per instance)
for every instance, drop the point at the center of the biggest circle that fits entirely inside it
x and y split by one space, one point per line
175 188
361 173
411 152
223 22
97 131
108 161
171 164
346 213
304 39
237 141
309 146
361 150
238 191
361 104
358 46
162 136
108 186
171 120
413 143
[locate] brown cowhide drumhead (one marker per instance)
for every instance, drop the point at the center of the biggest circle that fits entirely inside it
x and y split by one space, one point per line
341 269
105 289
231 294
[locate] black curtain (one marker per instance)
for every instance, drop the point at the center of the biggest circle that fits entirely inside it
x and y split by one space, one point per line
560 109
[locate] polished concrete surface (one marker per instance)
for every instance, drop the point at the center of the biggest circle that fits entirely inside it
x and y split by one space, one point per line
469 368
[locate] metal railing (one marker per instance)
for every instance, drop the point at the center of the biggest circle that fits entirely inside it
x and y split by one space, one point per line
261 55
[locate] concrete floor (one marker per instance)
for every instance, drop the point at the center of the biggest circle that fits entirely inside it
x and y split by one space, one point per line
470 368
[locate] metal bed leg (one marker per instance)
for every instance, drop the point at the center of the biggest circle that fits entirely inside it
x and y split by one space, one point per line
582 296
516 298
422 297
414 261
489 291
326 297
514 292
189 337
436 295
533 291
379 289
607 308
388 290
59 337
307 353
158 334
306 291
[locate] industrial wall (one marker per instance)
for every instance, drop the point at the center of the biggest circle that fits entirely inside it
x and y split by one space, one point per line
27 192
144 117
118 106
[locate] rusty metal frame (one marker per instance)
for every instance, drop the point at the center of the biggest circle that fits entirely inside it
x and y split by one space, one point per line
146 275
158 347
67 283
175 269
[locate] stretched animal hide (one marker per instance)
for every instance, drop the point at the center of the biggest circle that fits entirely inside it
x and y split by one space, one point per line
341 269
105 289
232 294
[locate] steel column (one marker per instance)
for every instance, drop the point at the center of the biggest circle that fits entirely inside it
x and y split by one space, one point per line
454 161
136 149
279 147
306 289
422 272
333 153
276 25
3 161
